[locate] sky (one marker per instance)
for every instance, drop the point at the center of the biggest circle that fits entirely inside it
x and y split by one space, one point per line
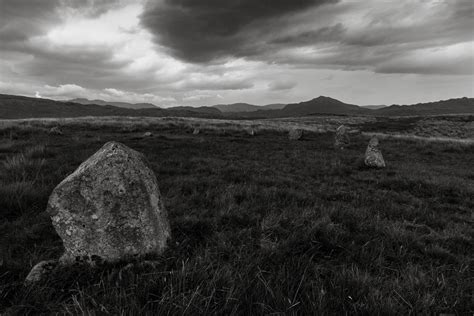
205 52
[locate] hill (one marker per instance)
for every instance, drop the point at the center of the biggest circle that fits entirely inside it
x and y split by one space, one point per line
329 106
245 107
323 105
125 105
15 107
451 106
12 107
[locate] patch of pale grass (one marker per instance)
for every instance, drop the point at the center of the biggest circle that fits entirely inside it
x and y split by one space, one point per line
457 141
20 167
318 124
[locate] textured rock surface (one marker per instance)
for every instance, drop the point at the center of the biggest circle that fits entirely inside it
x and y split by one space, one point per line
55 131
109 208
295 134
40 270
373 155
341 139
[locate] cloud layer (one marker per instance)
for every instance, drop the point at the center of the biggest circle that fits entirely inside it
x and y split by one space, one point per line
197 52
204 30
369 34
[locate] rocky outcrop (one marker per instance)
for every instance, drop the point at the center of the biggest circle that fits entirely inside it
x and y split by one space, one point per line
341 139
373 155
147 134
110 208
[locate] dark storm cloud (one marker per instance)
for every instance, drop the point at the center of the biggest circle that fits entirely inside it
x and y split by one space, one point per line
203 30
21 19
324 34
343 35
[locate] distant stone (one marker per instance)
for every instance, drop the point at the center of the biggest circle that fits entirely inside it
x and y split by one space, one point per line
341 139
40 270
251 131
110 208
196 131
55 131
148 134
373 155
295 134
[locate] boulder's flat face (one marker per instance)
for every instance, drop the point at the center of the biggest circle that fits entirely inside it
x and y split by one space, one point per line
341 139
110 208
373 155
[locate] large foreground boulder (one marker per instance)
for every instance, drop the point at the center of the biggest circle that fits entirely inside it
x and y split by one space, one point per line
341 140
295 134
373 155
110 208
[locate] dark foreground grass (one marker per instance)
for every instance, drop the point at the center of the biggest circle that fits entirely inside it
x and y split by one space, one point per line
260 225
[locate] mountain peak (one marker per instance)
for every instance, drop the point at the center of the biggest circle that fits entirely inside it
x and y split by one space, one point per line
323 98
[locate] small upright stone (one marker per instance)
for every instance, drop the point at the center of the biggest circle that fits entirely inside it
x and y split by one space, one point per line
373 155
55 131
39 271
196 131
250 131
110 208
295 134
341 139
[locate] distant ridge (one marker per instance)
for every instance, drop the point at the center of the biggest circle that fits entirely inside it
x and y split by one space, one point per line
373 107
125 105
245 107
18 107
451 106
15 107
329 106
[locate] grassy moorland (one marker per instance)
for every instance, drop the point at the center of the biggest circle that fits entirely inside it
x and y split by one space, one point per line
260 225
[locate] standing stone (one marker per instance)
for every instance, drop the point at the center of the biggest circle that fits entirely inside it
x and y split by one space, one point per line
39 271
196 131
295 134
147 134
55 131
341 139
250 131
110 208
373 155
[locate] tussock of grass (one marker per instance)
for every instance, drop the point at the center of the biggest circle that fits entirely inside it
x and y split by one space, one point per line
22 188
260 225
